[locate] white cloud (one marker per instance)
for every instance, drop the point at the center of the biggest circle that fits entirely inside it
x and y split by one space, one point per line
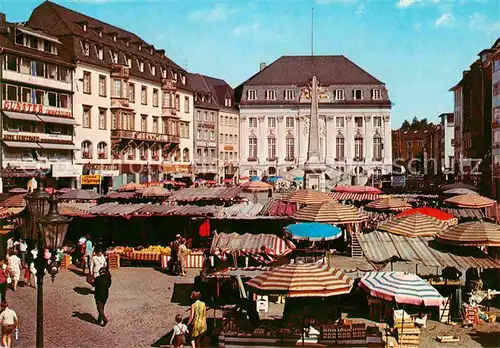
446 20
218 13
246 29
479 21
408 3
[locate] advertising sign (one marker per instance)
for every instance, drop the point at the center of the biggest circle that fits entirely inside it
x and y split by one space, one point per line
90 179
66 170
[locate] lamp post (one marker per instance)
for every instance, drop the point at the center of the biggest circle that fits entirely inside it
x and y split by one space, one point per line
48 228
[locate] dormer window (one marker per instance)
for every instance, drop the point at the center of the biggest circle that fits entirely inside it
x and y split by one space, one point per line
270 94
129 62
127 42
152 51
175 76
339 94
84 27
376 94
100 53
100 33
86 48
141 66
115 57
252 94
139 47
357 94
289 94
114 38
153 70
164 73
183 79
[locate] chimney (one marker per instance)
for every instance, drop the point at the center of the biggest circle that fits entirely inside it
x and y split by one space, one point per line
262 65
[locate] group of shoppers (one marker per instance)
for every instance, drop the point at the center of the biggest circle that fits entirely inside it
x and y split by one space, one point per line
178 256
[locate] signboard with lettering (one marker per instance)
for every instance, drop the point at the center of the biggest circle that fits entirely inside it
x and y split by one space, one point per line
177 168
90 179
66 170
104 172
35 109
229 147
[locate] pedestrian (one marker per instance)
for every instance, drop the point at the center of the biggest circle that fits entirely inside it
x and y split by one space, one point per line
180 331
102 283
4 275
23 250
198 318
98 261
182 255
15 269
206 269
488 300
89 249
10 243
174 254
32 268
9 322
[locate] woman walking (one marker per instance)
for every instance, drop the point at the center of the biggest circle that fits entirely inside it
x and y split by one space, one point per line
9 322
15 269
182 256
102 283
4 275
198 318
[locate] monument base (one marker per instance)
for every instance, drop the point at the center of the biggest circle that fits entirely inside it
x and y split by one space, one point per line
315 181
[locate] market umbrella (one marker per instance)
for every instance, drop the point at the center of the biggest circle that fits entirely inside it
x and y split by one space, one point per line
255 186
313 231
154 191
14 201
414 225
473 233
460 191
307 196
388 204
18 190
303 280
406 288
80 195
432 212
331 212
357 189
50 190
470 201
131 186
64 190
458 185
274 178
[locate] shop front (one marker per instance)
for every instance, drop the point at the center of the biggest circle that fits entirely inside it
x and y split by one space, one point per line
142 173
65 175
109 175
178 172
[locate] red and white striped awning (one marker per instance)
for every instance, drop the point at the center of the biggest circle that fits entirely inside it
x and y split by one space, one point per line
350 196
303 280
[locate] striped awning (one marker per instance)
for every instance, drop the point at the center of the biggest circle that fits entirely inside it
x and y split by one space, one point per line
130 187
303 280
401 287
308 196
349 196
474 233
389 204
470 201
439 214
331 212
357 189
414 225
8 211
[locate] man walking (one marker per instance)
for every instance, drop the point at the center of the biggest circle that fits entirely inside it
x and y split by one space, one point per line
102 284
89 248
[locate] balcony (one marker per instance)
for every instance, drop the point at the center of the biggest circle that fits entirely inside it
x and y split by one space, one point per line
37 80
12 135
143 136
174 139
169 111
168 84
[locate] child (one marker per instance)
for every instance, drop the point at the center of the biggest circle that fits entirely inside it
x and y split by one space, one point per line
179 335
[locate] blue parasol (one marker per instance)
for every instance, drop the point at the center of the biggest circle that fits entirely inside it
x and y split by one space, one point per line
313 231
274 178
299 178
254 178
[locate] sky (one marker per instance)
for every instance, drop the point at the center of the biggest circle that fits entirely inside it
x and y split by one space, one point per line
418 48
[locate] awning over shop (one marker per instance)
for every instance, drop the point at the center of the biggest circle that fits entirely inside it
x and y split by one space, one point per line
58 146
382 247
8 211
21 116
22 144
59 120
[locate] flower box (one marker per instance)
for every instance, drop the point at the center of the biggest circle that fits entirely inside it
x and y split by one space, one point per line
116 156
131 157
252 159
102 155
86 155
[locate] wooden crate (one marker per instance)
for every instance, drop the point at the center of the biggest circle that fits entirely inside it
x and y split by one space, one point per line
114 261
66 261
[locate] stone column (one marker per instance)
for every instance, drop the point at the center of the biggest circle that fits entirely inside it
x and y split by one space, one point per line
262 147
368 143
349 139
387 141
330 140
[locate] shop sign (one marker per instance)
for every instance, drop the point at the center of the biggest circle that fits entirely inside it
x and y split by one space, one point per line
34 109
90 179
207 125
177 168
105 172
96 167
18 137
66 170
229 147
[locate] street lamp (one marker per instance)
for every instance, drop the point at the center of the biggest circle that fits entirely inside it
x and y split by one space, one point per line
48 228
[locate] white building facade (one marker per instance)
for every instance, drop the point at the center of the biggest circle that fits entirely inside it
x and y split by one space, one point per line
447 140
354 120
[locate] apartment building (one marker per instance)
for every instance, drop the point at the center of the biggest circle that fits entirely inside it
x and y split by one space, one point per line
37 124
132 101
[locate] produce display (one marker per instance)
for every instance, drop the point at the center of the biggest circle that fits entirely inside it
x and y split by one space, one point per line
153 249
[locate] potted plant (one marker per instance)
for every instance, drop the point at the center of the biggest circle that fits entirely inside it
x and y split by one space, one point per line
102 155
86 154
116 156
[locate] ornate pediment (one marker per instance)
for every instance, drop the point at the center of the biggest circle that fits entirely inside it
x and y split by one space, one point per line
358 134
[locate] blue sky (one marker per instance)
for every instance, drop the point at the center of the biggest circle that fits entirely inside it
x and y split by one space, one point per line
419 48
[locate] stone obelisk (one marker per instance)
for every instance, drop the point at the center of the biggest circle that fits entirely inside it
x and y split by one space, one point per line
314 169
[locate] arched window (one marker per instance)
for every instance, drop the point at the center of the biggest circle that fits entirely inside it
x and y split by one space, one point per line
102 150
339 148
143 152
290 148
271 148
86 149
358 147
252 147
185 155
377 147
131 151
155 153
177 155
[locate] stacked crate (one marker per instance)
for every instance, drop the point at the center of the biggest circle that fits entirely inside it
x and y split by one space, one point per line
408 334
114 261
470 315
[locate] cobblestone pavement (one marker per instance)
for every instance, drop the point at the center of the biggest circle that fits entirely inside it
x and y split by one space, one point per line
141 309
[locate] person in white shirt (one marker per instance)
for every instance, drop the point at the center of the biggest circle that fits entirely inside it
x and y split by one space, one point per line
10 243
9 322
98 261
23 250
15 269
179 333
